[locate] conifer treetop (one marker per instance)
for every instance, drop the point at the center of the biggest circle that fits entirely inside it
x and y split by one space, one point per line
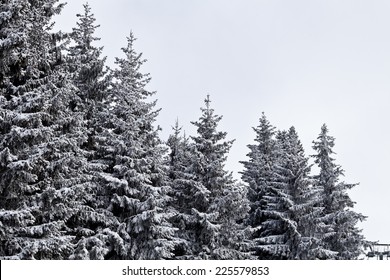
86 28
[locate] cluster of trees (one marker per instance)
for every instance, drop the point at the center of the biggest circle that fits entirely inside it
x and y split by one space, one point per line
299 215
84 174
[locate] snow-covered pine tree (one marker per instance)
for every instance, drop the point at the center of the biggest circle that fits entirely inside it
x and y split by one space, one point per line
292 209
258 174
218 233
93 225
177 144
86 65
187 193
134 177
234 235
340 233
306 210
85 62
279 230
38 144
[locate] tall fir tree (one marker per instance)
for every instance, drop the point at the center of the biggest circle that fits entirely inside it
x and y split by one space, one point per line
187 193
279 229
85 61
341 234
217 219
292 209
258 174
93 225
305 210
133 175
39 136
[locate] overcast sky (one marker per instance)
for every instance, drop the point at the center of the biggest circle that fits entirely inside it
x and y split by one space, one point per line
303 63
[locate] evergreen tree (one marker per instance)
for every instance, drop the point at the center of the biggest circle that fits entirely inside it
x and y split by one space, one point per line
37 139
295 171
258 174
292 208
133 174
279 229
216 220
341 234
187 193
93 225
85 62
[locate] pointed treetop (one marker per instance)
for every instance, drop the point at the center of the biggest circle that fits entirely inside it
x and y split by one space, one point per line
264 131
83 34
131 37
208 110
292 130
325 142
324 129
177 128
129 70
264 120
87 10
207 101
130 44
324 135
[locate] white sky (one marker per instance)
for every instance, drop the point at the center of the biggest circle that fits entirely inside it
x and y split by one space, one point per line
303 63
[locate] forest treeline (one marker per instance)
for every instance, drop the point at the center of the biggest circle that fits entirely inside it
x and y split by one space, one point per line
85 175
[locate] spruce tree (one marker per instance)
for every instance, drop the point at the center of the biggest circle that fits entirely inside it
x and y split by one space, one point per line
93 225
187 193
217 219
38 144
258 174
133 175
85 62
279 229
292 209
341 234
294 170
